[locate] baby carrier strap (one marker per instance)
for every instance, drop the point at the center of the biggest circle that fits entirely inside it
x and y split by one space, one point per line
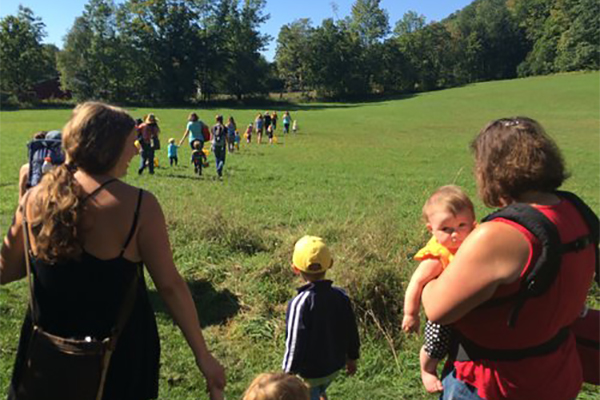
547 266
539 278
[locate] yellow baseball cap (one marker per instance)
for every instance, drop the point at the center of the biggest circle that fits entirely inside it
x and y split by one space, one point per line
311 255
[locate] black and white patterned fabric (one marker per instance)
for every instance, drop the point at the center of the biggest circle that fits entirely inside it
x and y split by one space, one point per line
437 340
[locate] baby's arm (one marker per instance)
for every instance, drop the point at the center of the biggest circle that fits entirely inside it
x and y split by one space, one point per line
425 272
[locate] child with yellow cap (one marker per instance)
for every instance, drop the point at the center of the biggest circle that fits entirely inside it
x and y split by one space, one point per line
321 335
449 217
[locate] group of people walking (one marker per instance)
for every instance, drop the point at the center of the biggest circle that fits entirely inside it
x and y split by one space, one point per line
69 238
223 138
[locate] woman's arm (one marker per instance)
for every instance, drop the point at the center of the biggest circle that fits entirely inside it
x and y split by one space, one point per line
12 255
185 134
493 254
155 250
425 272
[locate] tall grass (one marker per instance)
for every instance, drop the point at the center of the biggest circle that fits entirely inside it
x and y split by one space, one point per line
356 174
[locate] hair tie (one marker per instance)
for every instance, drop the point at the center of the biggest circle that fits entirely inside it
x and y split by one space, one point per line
71 167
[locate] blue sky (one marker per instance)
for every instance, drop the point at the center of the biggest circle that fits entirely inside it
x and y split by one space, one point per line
58 15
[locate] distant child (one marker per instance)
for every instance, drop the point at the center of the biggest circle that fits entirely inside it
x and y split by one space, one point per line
321 334
198 158
295 126
450 217
277 386
231 128
248 133
259 124
270 133
172 151
237 139
287 120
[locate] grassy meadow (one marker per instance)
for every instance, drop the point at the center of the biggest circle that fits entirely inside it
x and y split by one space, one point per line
357 175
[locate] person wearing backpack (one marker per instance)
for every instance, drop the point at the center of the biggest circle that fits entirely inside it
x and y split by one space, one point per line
510 300
148 138
219 144
43 150
83 238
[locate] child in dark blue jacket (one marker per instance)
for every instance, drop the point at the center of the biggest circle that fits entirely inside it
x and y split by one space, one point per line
321 335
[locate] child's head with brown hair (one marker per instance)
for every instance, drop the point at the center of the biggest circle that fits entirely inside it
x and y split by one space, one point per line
311 258
277 386
196 145
449 215
514 156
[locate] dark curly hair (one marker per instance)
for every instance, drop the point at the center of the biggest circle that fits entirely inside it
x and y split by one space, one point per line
513 156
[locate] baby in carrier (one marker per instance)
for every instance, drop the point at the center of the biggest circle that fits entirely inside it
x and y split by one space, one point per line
450 217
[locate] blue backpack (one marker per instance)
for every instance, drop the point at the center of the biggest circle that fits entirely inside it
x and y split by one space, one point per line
38 150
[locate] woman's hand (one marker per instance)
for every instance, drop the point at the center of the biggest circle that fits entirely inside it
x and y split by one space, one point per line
214 373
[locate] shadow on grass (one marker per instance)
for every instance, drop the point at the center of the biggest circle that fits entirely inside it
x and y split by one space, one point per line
214 307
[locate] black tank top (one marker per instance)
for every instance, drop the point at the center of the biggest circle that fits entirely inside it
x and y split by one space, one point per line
80 298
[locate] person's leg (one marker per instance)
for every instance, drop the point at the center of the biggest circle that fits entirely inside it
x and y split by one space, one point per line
315 393
220 159
176 160
151 161
171 161
455 389
142 162
429 376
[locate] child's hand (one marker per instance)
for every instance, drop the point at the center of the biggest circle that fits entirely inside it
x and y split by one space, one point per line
410 323
350 367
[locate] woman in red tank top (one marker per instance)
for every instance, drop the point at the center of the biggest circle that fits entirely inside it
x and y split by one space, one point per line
515 161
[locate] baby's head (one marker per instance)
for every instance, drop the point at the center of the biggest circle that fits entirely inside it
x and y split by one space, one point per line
277 386
197 145
449 215
311 258
171 140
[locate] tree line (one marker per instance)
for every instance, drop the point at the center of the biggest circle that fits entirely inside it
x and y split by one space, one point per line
177 51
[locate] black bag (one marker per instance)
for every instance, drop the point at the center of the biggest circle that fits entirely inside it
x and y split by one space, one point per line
155 142
66 368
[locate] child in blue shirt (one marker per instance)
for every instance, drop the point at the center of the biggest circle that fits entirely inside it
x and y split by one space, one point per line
172 152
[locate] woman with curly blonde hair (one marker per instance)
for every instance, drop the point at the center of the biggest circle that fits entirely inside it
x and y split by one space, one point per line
89 236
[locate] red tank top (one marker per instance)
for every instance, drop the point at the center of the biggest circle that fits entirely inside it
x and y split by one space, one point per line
555 376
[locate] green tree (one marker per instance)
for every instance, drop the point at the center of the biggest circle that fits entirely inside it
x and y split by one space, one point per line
429 51
94 62
23 59
334 63
370 21
292 53
410 22
166 39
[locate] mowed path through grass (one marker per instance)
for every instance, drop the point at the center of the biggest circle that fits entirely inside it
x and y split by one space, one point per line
356 174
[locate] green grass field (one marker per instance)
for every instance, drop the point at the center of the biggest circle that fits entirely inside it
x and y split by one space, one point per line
356 174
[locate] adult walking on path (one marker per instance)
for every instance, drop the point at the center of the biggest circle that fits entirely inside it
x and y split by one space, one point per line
193 129
287 121
231 129
512 346
219 144
89 235
259 125
149 141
